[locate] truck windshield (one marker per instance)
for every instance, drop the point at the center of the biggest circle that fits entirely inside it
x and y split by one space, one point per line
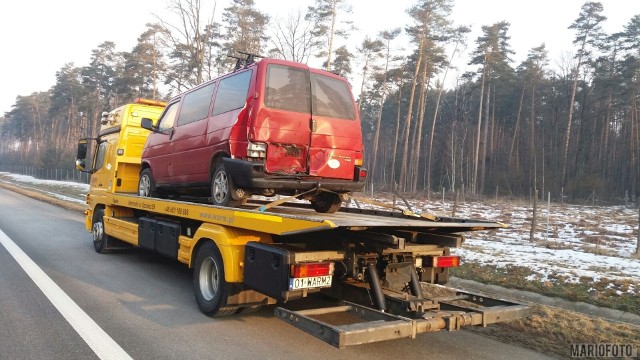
291 89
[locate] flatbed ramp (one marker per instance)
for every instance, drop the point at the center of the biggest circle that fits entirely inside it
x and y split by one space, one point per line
353 324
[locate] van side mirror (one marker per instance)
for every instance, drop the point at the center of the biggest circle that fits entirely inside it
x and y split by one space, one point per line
147 123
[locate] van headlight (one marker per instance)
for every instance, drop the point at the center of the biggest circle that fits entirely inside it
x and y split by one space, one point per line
257 150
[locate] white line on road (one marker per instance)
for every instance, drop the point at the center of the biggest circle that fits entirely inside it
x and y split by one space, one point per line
98 340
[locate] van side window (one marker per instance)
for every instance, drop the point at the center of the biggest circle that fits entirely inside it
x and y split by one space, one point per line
100 154
195 105
168 117
232 93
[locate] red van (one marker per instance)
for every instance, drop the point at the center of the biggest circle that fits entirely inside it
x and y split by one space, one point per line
270 127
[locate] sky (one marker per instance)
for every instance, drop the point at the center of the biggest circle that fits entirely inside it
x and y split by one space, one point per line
38 37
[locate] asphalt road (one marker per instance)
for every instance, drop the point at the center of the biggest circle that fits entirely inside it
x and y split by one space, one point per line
145 305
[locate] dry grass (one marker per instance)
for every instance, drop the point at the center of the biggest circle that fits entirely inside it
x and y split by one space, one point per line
552 331
44 197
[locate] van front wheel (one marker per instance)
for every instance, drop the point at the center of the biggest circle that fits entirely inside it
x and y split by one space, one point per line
146 184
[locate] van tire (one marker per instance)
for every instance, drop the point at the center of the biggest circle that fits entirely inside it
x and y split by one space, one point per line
209 285
326 202
222 188
146 184
100 239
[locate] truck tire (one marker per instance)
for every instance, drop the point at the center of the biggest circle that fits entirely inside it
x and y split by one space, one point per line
211 289
100 239
146 184
326 202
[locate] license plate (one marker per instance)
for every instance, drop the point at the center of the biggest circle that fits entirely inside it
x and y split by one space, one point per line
309 282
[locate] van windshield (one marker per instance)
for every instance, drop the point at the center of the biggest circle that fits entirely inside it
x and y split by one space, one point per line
289 88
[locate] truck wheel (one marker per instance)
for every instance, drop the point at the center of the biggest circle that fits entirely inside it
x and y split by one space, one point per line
100 239
326 202
146 184
210 287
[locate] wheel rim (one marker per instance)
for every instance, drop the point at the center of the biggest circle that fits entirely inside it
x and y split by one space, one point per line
209 279
144 186
220 187
98 231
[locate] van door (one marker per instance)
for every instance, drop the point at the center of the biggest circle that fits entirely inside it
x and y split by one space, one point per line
190 157
157 150
284 123
309 123
336 137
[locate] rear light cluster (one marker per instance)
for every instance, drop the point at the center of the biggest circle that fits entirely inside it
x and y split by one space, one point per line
445 261
257 150
311 269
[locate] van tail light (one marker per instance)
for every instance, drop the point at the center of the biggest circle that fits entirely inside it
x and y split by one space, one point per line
358 159
445 261
312 269
257 150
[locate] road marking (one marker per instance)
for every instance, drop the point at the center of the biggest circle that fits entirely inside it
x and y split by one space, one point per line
98 340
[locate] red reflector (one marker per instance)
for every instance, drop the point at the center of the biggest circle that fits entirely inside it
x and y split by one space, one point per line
363 173
446 261
309 270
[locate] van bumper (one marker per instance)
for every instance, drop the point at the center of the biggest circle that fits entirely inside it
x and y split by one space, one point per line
249 175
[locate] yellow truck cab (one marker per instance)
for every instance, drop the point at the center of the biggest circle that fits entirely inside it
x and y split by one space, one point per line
377 263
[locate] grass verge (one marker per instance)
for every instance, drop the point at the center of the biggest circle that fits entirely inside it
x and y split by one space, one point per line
43 197
552 331
605 292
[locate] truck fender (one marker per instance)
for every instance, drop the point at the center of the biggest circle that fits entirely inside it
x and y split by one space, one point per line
231 244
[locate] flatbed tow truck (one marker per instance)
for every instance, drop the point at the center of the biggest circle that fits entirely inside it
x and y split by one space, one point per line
376 262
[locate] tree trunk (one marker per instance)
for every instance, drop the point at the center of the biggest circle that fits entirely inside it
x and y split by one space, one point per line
376 137
395 142
515 133
485 133
534 220
474 181
405 152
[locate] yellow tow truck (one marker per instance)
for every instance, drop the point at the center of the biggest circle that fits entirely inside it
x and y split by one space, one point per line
377 263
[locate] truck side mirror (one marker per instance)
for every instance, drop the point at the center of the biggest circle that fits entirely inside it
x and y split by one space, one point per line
147 123
81 155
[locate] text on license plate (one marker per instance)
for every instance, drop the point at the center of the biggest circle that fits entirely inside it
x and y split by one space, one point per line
309 282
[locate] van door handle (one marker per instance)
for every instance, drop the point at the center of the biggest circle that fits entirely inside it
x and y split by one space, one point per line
314 125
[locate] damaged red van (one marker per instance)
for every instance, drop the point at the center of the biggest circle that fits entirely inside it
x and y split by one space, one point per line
270 127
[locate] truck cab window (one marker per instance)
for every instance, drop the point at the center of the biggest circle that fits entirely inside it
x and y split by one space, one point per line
100 155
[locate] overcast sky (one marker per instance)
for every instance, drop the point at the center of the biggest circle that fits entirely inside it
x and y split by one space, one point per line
38 37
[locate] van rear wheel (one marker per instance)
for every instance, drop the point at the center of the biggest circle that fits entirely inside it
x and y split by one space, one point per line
326 202
222 188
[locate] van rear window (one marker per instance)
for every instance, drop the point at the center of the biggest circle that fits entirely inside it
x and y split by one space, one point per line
331 97
288 89
291 89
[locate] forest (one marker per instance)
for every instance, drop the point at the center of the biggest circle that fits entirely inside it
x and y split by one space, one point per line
509 129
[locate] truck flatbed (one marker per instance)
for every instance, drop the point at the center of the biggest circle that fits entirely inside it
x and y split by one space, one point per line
292 219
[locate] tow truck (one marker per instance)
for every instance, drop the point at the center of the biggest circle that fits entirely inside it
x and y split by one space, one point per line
380 265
